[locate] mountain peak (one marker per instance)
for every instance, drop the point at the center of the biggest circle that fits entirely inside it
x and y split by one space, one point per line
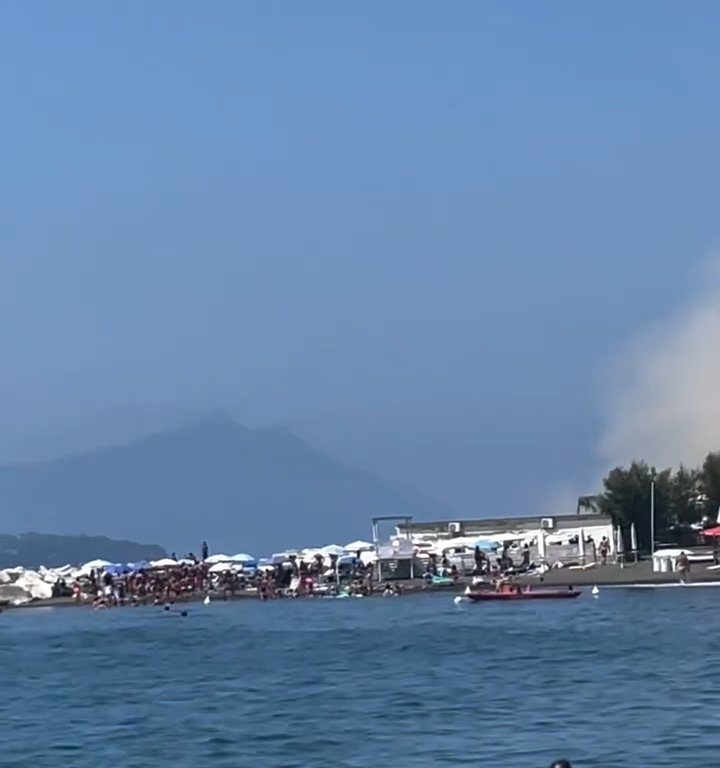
240 489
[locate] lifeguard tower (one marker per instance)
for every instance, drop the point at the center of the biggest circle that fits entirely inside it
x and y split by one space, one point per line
395 557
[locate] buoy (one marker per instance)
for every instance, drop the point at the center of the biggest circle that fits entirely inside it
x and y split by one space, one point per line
206 601
595 591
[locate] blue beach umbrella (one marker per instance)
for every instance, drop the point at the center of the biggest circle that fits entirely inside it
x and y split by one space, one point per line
247 561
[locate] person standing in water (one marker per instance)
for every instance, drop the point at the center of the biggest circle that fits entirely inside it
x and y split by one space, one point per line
205 551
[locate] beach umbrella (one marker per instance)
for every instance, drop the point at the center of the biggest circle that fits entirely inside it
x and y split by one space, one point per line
94 565
332 549
541 544
218 559
712 532
633 538
359 546
221 567
243 559
165 562
620 545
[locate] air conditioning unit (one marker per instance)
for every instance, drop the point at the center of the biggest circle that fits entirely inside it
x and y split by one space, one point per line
547 523
453 527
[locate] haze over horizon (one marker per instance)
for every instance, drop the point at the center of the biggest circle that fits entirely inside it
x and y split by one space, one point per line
460 247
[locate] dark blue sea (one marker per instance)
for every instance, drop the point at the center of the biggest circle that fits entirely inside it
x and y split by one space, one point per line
627 679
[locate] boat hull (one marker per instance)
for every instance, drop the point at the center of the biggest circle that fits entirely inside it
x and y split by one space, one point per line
540 594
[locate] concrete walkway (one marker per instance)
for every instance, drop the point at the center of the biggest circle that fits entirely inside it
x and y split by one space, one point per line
634 573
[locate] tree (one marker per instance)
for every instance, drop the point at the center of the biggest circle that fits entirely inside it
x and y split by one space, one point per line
684 495
710 483
626 498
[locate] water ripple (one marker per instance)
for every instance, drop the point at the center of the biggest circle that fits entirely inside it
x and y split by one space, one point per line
414 681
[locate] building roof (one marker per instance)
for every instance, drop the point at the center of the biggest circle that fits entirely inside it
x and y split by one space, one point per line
504 524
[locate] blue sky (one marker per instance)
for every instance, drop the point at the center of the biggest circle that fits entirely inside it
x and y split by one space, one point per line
419 233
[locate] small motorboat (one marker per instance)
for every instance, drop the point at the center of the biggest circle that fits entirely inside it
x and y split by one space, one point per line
516 592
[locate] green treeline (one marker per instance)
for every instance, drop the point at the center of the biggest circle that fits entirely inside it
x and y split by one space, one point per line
682 497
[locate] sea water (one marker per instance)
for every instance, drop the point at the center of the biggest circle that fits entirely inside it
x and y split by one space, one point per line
627 679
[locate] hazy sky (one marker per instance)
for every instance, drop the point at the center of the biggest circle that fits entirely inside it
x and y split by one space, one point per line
420 233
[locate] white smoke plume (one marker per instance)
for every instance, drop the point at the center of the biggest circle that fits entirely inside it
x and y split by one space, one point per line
665 402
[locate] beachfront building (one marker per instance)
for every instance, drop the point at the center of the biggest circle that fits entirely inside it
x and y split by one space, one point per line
557 529
557 539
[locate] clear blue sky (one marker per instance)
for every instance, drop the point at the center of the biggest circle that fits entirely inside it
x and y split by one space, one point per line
415 231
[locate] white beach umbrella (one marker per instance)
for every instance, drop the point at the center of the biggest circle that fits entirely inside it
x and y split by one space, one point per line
359 546
633 538
165 562
332 549
94 565
282 557
218 559
222 568
620 544
541 544
243 558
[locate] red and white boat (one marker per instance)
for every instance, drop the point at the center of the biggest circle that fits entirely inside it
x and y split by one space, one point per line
515 592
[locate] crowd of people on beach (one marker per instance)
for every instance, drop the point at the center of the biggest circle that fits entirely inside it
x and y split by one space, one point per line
191 578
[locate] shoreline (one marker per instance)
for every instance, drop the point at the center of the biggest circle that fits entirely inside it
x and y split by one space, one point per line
612 575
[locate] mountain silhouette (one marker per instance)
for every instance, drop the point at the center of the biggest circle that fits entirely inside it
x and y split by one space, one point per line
240 489
34 549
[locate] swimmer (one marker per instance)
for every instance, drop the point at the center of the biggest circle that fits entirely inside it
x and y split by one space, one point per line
561 764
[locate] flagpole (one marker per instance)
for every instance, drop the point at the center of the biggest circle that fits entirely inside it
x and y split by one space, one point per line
652 518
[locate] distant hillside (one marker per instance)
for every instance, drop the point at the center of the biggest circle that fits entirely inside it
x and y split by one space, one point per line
34 549
238 488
